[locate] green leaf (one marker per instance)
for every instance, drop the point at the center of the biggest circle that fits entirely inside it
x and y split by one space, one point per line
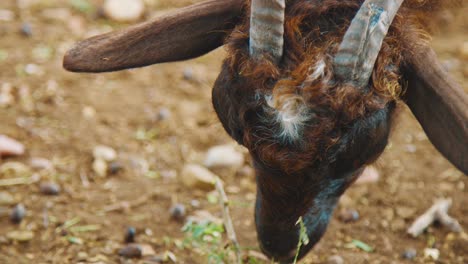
361 245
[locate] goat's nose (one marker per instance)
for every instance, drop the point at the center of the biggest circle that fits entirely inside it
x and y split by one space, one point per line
278 245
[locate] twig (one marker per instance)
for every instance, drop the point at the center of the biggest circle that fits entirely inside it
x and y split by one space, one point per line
437 212
231 233
19 181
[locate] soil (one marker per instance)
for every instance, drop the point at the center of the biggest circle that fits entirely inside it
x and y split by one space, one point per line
62 116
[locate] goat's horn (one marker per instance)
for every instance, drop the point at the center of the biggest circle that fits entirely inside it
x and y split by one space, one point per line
361 44
267 28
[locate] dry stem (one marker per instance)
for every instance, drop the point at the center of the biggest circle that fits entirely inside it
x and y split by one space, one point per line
224 202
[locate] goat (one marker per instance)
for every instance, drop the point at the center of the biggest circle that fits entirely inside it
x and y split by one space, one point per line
309 88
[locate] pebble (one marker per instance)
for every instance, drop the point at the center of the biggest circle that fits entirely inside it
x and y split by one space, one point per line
82 256
464 50
369 175
6 15
115 167
20 235
18 213
130 235
88 112
348 215
6 199
131 251
105 153
10 147
409 253
432 253
177 212
124 10
49 188
41 164
223 156
196 176
26 29
163 114
335 259
188 73
100 167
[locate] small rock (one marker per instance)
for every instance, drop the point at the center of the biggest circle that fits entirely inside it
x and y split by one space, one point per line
26 29
163 114
464 50
348 215
33 69
188 73
20 236
6 199
335 259
6 15
88 112
41 164
131 251
49 188
82 256
104 153
124 10
18 213
147 250
369 175
195 203
177 212
195 176
100 167
409 253
130 235
10 147
223 156
410 148
432 253
115 167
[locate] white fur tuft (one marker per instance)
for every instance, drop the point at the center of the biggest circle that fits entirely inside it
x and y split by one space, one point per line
291 115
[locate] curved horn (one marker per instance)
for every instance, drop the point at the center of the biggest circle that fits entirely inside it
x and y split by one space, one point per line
267 28
362 42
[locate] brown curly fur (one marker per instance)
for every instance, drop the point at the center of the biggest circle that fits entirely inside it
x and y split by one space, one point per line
313 31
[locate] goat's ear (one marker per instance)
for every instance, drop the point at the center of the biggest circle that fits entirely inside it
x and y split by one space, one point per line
439 104
184 34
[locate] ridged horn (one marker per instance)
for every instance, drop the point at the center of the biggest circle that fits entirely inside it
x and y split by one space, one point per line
362 41
267 28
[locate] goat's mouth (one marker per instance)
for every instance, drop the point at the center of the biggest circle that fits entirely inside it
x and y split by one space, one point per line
284 241
284 245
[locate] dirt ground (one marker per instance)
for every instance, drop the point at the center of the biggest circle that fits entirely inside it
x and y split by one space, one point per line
62 116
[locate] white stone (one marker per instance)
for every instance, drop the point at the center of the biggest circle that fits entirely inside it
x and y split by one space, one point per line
124 10
369 175
10 147
196 176
223 156
432 253
105 153
100 167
